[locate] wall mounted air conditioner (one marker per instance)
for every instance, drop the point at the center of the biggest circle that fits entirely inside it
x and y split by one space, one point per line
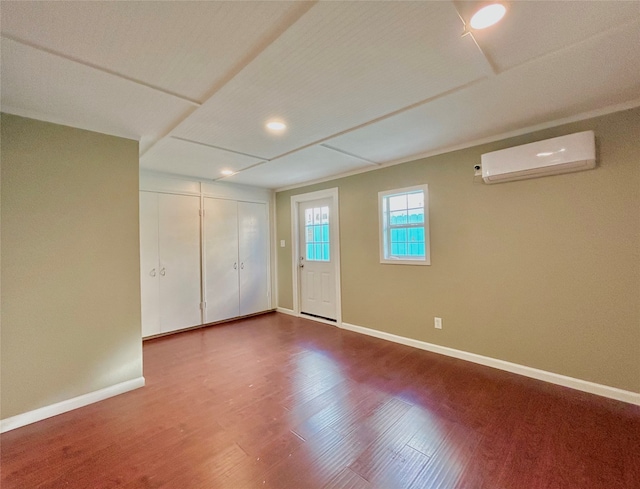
574 152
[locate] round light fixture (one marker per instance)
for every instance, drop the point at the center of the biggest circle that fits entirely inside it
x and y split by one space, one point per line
227 172
277 126
487 16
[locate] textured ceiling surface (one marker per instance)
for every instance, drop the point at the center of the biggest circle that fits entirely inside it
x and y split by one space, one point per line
359 84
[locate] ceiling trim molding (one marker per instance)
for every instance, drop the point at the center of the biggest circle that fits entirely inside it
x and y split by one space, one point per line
240 171
301 9
599 35
178 138
73 59
383 117
338 150
466 31
631 104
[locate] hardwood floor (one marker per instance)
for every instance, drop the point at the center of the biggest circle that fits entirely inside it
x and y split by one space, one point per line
280 402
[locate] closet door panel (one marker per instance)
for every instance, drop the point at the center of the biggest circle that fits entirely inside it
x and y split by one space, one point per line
221 259
179 247
254 257
149 273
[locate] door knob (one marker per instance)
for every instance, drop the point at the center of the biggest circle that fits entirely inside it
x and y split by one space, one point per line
163 272
301 265
153 272
235 266
242 266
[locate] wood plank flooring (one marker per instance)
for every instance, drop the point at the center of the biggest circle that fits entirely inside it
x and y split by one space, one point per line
279 402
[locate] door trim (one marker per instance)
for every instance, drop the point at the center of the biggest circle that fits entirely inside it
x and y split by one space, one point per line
331 193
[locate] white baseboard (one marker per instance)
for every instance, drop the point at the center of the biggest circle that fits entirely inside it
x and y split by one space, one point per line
306 316
534 373
70 404
285 311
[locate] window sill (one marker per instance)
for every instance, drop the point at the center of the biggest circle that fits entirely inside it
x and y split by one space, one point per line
384 261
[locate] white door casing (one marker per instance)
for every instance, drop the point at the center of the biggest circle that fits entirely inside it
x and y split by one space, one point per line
316 259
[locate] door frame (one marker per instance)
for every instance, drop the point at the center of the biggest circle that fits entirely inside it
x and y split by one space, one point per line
334 227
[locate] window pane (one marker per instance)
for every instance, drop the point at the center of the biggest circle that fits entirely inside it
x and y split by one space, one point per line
325 252
416 234
394 248
402 249
397 202
416 216
325 215
398 218
317 234
402 234
415 249
416 200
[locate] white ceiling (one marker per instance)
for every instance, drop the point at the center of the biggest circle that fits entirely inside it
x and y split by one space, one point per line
359 84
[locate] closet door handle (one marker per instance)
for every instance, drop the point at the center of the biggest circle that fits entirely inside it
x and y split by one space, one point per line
152 272
235 266
163 272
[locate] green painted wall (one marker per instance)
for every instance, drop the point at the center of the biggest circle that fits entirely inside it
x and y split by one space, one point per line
70 302
542 272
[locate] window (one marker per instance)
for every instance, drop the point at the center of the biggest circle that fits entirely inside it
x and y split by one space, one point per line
404 226
316 233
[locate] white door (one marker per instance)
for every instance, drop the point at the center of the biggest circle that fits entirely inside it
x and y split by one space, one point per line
317 262
179 249
253 238
221 264
149 271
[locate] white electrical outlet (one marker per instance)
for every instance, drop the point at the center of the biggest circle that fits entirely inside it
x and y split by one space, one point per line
437 323
282 243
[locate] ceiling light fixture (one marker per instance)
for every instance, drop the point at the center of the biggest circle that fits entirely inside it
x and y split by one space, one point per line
277 126
487 16
226 173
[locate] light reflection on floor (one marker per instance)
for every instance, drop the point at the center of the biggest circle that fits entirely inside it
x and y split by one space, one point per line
418 449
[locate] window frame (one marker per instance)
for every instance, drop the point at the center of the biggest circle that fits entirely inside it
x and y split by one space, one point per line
383 233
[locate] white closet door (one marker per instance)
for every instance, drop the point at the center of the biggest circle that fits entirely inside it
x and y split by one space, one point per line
254 257
149 272
179 243
221 259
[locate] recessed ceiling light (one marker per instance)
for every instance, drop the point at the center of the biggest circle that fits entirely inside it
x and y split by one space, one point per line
277 126
487 16
227 172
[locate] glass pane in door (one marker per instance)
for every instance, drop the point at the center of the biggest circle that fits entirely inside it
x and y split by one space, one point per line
317 234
